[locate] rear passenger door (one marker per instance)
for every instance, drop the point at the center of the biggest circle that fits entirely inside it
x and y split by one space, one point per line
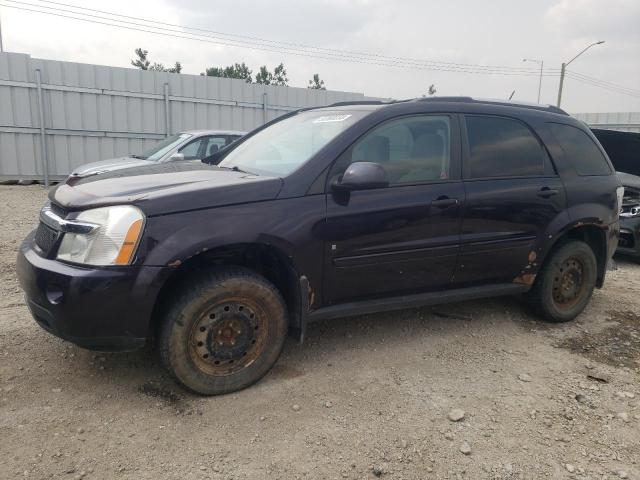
512 195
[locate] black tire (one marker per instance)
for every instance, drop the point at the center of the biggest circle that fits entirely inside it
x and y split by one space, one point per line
565 283
223 331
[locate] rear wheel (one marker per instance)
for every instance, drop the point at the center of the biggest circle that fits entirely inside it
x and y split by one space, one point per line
224 331
565 284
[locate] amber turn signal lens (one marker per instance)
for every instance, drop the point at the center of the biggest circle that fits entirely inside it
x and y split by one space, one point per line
129 244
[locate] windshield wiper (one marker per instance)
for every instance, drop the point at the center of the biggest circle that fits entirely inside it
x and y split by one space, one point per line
139 157
235 168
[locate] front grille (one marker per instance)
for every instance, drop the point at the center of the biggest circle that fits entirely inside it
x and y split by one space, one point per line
46 238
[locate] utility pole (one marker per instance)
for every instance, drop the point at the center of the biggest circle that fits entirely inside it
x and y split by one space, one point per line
562 70
566 64
541 63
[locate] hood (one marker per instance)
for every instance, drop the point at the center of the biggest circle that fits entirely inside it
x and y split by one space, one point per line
165 188
109 165
629 180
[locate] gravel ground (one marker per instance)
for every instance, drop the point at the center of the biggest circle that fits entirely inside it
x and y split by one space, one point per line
373 396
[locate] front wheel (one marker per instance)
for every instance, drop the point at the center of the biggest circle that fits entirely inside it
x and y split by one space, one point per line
565 283
223 332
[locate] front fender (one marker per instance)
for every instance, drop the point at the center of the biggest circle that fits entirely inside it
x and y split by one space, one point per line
288 225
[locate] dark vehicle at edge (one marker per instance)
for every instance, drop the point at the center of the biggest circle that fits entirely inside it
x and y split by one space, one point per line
623 149
629 243
325 212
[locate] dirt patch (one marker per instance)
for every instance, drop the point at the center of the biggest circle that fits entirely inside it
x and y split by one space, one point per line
372 395
155 391
617 345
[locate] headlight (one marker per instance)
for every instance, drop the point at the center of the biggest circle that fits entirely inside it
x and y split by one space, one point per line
113 242
620 195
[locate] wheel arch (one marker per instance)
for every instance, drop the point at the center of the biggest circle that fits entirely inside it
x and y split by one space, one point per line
265 259
593 234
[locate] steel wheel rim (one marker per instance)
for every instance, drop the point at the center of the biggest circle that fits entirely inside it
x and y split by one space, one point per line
228 336
568 283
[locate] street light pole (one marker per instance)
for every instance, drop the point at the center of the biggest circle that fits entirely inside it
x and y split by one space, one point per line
563 69
541 63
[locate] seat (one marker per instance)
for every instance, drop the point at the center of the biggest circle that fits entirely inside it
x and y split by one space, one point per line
427 160
213 148
376 149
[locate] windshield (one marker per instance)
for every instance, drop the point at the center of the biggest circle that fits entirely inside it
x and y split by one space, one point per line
287 145
160 149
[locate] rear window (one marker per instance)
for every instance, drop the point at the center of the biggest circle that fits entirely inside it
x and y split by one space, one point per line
503 147
580 150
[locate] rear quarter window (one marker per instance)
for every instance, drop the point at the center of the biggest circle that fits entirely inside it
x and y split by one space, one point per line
580 150
502 147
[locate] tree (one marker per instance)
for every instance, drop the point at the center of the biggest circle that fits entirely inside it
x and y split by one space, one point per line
316 83
143 63
158 67
264 76
214 72
280 76
237 70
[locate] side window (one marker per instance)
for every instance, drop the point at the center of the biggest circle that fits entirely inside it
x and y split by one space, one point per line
411 149
580 150
213 144
191 150
502 147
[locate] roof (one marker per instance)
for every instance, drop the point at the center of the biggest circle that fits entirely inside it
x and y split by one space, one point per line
214 132
465 100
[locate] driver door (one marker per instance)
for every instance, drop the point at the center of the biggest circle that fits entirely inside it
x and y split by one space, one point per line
403 238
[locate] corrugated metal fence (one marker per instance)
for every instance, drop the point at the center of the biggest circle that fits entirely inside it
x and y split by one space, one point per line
57 115
621 121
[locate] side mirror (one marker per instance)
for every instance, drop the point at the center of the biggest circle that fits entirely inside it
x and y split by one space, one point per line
176 157
362 176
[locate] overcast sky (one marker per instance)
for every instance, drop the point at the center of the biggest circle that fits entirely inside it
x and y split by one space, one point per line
493 32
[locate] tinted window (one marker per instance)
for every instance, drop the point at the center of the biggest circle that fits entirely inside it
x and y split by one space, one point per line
411 150
580 150
502 147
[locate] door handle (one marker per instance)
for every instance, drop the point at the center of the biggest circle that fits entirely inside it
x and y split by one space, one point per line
546 192
444 202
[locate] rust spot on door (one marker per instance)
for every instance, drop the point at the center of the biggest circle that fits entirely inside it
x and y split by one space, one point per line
525 279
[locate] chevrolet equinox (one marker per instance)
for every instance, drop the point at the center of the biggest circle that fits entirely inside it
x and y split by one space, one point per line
325 212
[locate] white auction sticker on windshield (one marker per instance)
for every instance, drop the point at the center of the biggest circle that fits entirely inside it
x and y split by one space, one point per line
331 118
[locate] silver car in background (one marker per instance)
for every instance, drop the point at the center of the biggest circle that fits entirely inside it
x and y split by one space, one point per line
193 145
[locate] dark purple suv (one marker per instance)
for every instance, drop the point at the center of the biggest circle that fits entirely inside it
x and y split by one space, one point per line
325 212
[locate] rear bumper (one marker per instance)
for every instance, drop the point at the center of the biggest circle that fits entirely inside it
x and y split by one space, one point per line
96 308
629 237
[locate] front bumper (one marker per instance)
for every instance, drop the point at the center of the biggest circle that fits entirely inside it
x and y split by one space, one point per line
629 236
97 308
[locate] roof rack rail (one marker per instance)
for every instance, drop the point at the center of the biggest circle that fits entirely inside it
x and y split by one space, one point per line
361 102
492 101
449 98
